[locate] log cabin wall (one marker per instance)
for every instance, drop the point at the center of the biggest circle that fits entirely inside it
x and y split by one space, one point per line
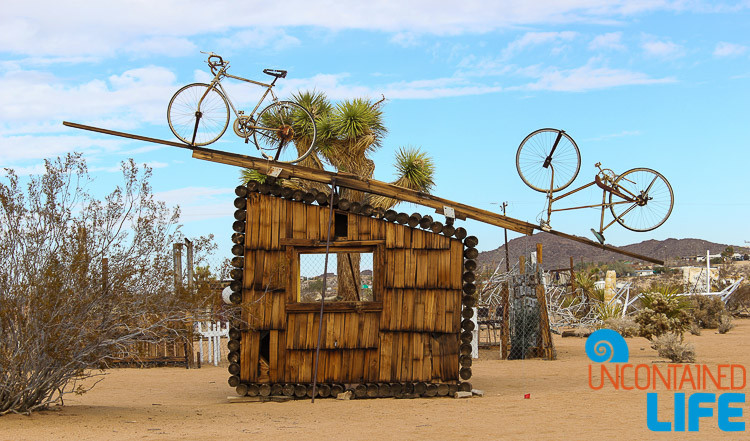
414 334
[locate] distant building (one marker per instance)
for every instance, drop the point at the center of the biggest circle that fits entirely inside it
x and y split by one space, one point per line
643 272
696 275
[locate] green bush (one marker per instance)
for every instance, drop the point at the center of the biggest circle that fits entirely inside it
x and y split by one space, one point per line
663 311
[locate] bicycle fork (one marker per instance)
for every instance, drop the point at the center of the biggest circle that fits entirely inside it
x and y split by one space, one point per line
198 113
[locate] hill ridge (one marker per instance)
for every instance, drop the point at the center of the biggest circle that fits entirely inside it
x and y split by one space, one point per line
557 251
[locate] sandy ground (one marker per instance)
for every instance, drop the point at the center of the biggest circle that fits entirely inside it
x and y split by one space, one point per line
175 403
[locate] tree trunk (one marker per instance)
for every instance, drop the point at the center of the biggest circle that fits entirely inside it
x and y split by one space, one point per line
349 279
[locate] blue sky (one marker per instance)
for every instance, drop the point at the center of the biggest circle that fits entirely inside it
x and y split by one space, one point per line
648 83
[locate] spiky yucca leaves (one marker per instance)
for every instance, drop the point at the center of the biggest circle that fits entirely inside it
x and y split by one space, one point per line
415 172
249 174
346 134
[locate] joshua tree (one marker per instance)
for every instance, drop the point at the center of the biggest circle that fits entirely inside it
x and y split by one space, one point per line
346 135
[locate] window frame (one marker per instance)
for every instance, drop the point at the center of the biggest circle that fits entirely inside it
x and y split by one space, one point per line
378 254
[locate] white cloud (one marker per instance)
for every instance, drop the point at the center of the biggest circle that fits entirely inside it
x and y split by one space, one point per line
405 39
336 88
530 39
611 41
24 148
663 49
45 27
36 169
724 49
160 45
256 38
137 95
199 203
588 77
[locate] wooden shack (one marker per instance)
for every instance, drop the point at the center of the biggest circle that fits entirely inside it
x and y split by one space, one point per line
400 325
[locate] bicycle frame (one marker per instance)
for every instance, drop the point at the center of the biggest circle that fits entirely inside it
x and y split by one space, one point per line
606 189
216 84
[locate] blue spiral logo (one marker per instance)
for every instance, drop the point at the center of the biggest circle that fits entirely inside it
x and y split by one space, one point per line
606 345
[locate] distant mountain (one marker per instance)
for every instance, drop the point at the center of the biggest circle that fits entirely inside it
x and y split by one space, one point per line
557 251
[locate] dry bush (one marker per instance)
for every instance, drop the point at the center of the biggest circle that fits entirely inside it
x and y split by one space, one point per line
725 324
60 316
625 326
707 311
695 329
739 302
671 346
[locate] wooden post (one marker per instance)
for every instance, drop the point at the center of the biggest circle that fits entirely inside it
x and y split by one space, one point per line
573 286
544 340
177 262
189 263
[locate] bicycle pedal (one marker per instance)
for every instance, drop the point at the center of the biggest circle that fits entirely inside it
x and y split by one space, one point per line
246 140
599 236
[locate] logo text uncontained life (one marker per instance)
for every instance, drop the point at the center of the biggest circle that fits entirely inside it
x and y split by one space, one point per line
686 386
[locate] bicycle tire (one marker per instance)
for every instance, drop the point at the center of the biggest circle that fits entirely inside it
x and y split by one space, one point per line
181 114
285 132
653 195
531 156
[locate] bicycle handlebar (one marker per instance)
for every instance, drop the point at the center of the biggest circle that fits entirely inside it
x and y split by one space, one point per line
214 61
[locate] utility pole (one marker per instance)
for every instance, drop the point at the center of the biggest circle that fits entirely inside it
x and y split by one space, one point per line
507 259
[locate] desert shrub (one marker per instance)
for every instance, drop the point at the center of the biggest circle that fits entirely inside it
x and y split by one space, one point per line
625 326
672 346
606 311
707 311
695 329
740 299
663 311
725 324
64 309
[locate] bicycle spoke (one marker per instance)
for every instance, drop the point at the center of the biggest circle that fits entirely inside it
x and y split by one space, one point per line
650 185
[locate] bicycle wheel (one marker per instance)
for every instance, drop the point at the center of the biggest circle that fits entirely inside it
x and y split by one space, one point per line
535 150
285 132
649 203
183 110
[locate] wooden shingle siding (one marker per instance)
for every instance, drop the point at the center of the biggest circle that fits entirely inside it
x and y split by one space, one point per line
410 333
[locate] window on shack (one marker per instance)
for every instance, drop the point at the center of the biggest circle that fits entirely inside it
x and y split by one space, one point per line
351 276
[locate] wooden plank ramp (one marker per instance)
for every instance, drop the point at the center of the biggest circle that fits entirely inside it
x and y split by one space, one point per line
353 182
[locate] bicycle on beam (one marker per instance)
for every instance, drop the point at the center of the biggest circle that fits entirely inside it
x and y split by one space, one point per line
640 199
198 114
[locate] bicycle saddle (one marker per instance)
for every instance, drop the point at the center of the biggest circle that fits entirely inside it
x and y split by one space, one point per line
275 73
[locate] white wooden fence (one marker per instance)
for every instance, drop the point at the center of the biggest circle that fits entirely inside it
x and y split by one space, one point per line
212 332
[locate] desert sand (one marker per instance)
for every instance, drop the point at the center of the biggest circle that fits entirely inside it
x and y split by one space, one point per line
180 404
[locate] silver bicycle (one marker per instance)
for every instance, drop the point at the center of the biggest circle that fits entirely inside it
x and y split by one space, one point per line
198 115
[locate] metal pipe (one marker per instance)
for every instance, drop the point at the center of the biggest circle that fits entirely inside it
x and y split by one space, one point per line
323 293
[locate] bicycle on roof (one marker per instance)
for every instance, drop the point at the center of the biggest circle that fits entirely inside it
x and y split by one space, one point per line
198 114
640 199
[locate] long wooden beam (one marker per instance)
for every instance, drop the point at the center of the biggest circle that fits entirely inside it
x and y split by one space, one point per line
367 185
